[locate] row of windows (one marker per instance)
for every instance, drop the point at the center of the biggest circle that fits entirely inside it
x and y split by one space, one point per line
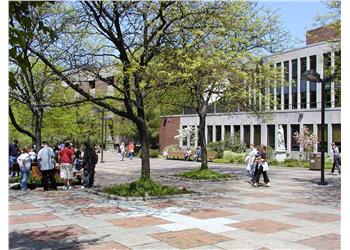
271 136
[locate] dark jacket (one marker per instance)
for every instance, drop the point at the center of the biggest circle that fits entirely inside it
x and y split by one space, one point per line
90 159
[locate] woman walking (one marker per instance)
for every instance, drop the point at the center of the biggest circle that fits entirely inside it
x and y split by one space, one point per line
24 161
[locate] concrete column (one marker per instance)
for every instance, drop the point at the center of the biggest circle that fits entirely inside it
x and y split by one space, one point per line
274 91
301 128
332 83
289 135
232 130
298 84
180 141
282 88
307 84
206 133
214 132
222 132
251 133
290 84
241 134
316 134
196 135
276 133
263 130
319 69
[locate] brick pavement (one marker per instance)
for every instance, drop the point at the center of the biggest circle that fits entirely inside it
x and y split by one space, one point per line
293 213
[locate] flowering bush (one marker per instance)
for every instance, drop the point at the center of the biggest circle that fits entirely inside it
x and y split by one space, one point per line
306 140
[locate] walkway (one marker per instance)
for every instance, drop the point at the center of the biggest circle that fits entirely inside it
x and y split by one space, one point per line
294 213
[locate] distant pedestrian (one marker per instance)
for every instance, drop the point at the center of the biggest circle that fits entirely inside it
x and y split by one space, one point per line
66 160
122 151
47 167
130 150
24 161
14 152
165 153
336 158
197 154
250 159
261 167
89 161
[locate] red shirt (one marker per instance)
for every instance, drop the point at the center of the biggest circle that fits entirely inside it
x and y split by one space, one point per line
66 155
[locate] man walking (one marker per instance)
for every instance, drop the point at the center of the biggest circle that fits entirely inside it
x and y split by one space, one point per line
336 158
122 151
89 161
130 150
66 159
45 158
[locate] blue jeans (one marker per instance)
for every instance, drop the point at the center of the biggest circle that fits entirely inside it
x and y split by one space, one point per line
25 175
12 160
131 155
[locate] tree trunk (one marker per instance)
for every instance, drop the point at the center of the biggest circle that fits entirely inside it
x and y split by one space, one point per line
203 143
37 129
145 162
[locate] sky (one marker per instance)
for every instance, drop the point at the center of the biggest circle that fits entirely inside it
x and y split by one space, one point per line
298 16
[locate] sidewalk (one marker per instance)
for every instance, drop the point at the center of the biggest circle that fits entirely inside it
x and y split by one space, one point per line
294 213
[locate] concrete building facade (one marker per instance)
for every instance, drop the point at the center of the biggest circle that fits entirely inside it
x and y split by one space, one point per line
298 104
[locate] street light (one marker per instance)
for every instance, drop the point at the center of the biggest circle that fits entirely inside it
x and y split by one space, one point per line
102 111
313 76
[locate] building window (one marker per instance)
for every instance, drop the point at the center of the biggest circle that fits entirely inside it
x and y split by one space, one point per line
302 83
294 144
286 84
327 70
218 133
246 135
92 84
319 137
227 130
257 134
294 84
210 133
271 136
184 139
237 130
278 89
313 100
337 91
336 130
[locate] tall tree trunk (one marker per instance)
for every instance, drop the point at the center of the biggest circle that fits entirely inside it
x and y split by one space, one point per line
37 129
145 162
203 142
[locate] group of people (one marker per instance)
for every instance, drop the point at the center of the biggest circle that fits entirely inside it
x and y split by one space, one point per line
130 148
257 164
83 158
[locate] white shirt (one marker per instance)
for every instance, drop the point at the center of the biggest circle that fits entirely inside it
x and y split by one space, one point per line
45 157
24 161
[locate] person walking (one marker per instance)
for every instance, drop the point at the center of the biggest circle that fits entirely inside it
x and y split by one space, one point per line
45 158
24 161
262 167
66 160
197 153
14 152
89 161
336 158
131 150
250 159
122 151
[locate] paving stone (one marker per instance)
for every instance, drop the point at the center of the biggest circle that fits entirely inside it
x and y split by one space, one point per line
21 206
262 226
101 210
190 238
141 221
261 207
21 219
317 217
108 245
327 241
207 213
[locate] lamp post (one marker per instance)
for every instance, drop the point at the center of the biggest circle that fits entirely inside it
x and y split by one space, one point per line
97 110
313 76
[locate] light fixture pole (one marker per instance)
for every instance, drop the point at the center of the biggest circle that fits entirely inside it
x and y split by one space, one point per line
313 76
97 110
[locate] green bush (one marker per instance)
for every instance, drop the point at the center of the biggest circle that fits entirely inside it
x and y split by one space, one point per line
141 187
274 162
206 174
270 153
234 157
218 147
153 153
219 160
172 148
234 144
295 163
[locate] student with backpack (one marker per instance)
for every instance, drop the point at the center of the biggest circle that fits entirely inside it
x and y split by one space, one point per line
89 161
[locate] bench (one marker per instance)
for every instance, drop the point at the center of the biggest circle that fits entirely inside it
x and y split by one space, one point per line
180 155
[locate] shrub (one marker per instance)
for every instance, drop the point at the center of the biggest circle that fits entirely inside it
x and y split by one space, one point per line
172 148
270 153
141 187
206 174
222 161
234 157
218 147
153 153
274 162
234 144
295 163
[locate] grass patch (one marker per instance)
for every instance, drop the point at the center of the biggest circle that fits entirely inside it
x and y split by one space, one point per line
207 174
141 187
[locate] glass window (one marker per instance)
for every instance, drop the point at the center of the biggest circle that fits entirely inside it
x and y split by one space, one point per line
313 101
278 88
237 130
319 137
294 145
257 134
271 136
294 84
302 83
227 130
184 139
336 130
218 133
246 135
210 133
